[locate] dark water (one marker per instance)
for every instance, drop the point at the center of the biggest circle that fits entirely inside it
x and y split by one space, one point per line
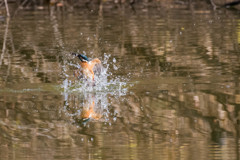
171 87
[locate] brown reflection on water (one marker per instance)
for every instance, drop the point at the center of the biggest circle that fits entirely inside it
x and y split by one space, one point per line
139 126
184 65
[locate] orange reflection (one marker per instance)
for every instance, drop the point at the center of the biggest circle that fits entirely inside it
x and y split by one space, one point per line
88 112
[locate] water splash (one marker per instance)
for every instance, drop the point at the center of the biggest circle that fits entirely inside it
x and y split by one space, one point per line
105 81
85 101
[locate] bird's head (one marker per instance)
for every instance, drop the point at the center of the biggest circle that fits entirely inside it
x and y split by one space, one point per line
82 57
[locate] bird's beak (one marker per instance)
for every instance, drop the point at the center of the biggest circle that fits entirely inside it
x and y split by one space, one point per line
77 55
74 54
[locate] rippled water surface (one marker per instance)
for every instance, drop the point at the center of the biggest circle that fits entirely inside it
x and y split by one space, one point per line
169 87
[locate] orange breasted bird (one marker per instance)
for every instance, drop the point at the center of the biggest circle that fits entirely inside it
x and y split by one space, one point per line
87 66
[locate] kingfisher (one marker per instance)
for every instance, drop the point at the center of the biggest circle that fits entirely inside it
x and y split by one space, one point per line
87 67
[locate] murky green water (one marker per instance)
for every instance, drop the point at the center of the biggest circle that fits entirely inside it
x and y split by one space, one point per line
171 89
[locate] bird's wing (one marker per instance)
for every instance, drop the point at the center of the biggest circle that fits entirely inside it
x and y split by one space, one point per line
97 66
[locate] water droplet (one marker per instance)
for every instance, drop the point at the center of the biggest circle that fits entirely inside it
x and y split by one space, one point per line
115 67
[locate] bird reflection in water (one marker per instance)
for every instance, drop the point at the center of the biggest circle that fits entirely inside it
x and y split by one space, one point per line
84 108
88 112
